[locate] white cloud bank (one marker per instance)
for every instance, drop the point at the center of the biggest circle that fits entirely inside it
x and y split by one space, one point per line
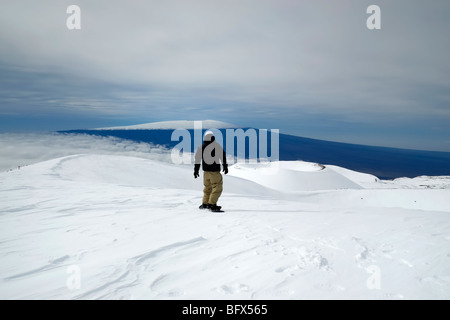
26 149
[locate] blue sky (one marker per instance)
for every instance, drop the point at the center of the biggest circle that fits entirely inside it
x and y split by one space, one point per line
310 68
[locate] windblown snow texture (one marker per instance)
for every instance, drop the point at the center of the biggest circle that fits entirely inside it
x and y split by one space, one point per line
131 229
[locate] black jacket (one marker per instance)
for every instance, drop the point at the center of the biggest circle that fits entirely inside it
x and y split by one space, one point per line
209 155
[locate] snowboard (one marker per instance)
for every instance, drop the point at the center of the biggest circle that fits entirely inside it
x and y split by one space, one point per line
216 211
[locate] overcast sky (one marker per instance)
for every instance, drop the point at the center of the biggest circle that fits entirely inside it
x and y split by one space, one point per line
310 68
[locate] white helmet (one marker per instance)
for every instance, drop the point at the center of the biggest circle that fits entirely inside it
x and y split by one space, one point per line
209 135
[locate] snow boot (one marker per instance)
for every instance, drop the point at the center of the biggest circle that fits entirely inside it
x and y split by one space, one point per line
215 208
204 206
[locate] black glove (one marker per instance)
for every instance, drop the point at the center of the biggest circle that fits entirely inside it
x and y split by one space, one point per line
225 168
196 170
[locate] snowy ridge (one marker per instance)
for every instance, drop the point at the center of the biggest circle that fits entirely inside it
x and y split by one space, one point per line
168 125
133 229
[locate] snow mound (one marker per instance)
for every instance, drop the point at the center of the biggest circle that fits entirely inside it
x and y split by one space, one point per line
292 176
363 179
169 125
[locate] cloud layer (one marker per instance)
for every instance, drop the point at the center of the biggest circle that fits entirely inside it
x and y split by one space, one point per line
288 60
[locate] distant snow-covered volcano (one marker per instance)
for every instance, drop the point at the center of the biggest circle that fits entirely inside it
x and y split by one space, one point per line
385 163
181 124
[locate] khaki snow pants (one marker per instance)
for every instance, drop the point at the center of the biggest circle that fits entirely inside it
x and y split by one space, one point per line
213 183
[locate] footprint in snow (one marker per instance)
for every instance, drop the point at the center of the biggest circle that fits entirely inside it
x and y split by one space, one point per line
235 288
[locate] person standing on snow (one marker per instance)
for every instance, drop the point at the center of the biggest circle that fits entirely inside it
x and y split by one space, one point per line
209 155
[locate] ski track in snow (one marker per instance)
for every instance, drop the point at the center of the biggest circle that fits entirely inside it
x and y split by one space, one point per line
134 234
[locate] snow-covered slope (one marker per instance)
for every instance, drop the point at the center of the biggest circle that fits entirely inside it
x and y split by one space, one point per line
130 228
182 124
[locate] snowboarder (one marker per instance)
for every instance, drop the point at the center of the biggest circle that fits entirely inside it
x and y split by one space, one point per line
209 155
